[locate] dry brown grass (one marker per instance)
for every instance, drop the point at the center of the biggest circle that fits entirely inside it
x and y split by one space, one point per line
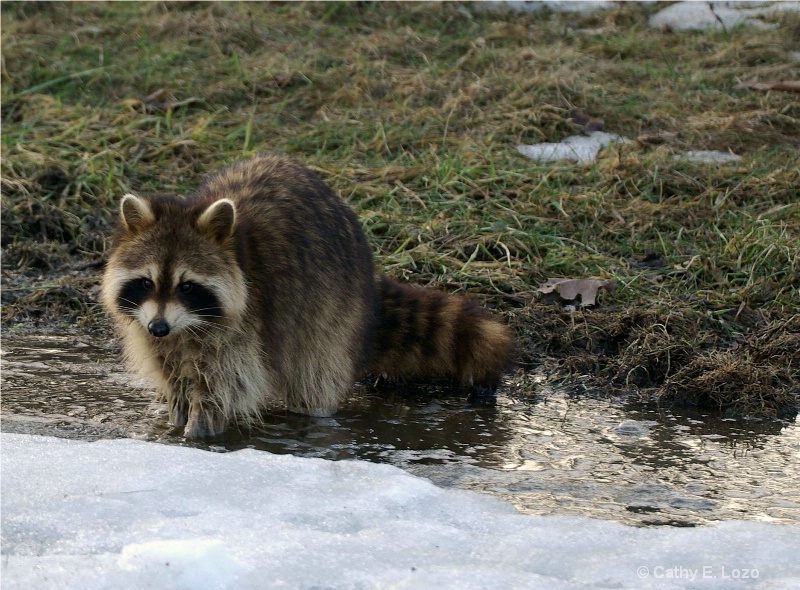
411 112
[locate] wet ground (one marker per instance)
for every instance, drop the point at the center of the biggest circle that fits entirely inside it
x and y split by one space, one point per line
546 450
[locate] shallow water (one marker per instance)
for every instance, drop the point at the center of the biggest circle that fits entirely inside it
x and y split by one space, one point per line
542 448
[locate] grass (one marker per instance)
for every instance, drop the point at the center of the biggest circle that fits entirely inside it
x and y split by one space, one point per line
411 112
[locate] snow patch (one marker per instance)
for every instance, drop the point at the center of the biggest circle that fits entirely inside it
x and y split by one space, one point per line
194 562
585 148
577 148
580 7
710 156
131 514
698 16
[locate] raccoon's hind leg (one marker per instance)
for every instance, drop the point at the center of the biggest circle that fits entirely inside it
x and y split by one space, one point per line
482 395
321 379
320 389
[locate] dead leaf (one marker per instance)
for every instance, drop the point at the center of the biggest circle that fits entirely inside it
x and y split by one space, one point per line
569 289
655 138
584 122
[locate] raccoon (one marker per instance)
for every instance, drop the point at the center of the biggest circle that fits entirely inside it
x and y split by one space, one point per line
259 291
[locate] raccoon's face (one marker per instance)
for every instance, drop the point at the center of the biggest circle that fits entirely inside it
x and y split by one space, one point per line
169 300
174 268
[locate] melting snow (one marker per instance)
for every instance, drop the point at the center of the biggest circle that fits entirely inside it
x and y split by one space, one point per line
132 514
582 7
711 156
697 16
577 148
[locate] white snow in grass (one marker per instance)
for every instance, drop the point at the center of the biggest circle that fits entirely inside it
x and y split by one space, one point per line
710 156
578 6
577 148
127 514
698 16
584 149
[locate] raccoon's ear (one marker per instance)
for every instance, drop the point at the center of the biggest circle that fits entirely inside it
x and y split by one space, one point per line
218 220
136 213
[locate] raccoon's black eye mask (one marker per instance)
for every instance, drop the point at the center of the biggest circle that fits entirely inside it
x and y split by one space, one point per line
133 293
199 299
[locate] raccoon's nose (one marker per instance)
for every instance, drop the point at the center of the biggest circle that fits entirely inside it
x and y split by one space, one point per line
158 328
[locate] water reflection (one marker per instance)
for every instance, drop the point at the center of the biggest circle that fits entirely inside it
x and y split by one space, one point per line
544 449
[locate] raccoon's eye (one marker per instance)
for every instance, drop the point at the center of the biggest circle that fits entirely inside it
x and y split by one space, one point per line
185 287
147 284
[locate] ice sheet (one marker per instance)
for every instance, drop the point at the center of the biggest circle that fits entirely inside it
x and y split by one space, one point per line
132 514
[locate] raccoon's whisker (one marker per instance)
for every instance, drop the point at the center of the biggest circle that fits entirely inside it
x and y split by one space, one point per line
211 324
197 330
208 328
214 307
132 303
202 328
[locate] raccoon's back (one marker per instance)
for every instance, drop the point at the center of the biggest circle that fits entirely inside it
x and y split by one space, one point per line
304 255
289 216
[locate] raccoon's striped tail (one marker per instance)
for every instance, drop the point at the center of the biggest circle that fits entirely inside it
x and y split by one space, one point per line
427 334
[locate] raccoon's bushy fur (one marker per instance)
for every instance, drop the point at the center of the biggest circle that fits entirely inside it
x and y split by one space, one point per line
259 290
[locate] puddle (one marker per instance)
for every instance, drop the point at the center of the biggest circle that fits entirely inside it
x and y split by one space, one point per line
543 449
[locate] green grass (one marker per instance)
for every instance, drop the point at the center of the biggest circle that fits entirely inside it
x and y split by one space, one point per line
412 112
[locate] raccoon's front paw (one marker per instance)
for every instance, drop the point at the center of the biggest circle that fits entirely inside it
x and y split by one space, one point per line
203 422
178 412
